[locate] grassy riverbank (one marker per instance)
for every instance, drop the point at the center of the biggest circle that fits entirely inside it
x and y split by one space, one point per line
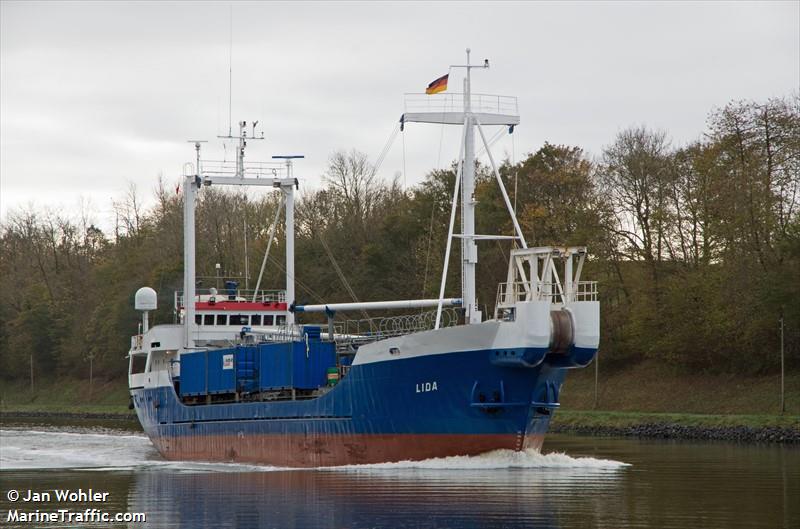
65 397
650 387
653 400
568 419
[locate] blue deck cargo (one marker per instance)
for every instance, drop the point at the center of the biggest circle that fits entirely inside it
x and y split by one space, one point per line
193 374
247 368
266 367
208 372
275 366
221 371
310 363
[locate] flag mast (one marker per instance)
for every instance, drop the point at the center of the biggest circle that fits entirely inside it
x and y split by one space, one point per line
502 110
469 250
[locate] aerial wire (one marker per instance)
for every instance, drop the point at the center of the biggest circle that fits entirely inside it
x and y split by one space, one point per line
516 177
230 72
279 265
386 147
404 162
272 229
494 139
342 276
516 172
428 256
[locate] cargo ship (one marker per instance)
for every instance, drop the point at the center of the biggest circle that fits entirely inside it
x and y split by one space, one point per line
239 378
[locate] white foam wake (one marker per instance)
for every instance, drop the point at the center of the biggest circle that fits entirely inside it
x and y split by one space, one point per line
37 449
498 459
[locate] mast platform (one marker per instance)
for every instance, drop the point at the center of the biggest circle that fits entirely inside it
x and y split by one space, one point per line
449 109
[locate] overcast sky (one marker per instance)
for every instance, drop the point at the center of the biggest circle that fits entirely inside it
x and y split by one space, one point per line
96 95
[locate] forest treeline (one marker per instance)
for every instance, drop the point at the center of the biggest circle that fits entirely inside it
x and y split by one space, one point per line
696 247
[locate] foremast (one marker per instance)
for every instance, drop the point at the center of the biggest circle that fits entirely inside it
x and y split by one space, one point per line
477 110
469 250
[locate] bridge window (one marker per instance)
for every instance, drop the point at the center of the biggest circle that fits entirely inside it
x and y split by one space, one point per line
255 319
138 363
208 319
222 319
280 320
198 319
238 319
268 319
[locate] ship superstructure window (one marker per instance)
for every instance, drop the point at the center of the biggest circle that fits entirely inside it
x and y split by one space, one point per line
238 319
208 319
255 319
138 363
268 319
280 320
198 319
222 319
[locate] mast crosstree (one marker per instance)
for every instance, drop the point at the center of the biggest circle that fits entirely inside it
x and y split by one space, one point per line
263 174
477 110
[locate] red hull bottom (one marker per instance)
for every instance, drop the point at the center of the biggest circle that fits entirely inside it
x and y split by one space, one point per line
317 451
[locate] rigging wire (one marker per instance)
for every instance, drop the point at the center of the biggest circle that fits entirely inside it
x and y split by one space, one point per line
494 139
230 70
516 177
516 171
428 257
341 274
441 135
404 163
269 244
297 282
386 147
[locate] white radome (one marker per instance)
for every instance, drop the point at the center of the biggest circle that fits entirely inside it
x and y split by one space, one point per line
146 299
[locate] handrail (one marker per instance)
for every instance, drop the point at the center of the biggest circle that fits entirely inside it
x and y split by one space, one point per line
373 329
230 295
252 169
454 102
510 293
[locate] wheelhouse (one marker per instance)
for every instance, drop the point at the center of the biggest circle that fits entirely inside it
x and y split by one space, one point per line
234 309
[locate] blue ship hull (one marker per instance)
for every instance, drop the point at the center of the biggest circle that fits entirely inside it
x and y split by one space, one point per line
460 403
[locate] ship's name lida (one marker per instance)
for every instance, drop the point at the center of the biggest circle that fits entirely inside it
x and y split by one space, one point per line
424 387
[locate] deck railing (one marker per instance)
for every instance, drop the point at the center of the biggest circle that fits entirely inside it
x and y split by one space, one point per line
235 295
454 102
352 334
251 169
510 293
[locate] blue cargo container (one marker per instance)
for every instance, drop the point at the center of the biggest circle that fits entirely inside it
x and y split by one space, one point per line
275 366
221 371
193 374
310 362
301 365
247 368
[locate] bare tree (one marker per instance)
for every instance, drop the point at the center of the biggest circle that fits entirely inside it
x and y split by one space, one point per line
352 178
634 178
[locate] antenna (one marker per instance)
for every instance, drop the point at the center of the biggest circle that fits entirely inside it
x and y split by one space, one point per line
197 149
230 70
288 158
242 137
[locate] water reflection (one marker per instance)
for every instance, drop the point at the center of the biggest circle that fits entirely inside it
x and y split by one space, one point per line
400 498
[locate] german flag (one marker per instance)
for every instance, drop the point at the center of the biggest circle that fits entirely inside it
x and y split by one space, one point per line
439 85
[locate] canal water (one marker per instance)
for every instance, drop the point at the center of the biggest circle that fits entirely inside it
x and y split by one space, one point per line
575 482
